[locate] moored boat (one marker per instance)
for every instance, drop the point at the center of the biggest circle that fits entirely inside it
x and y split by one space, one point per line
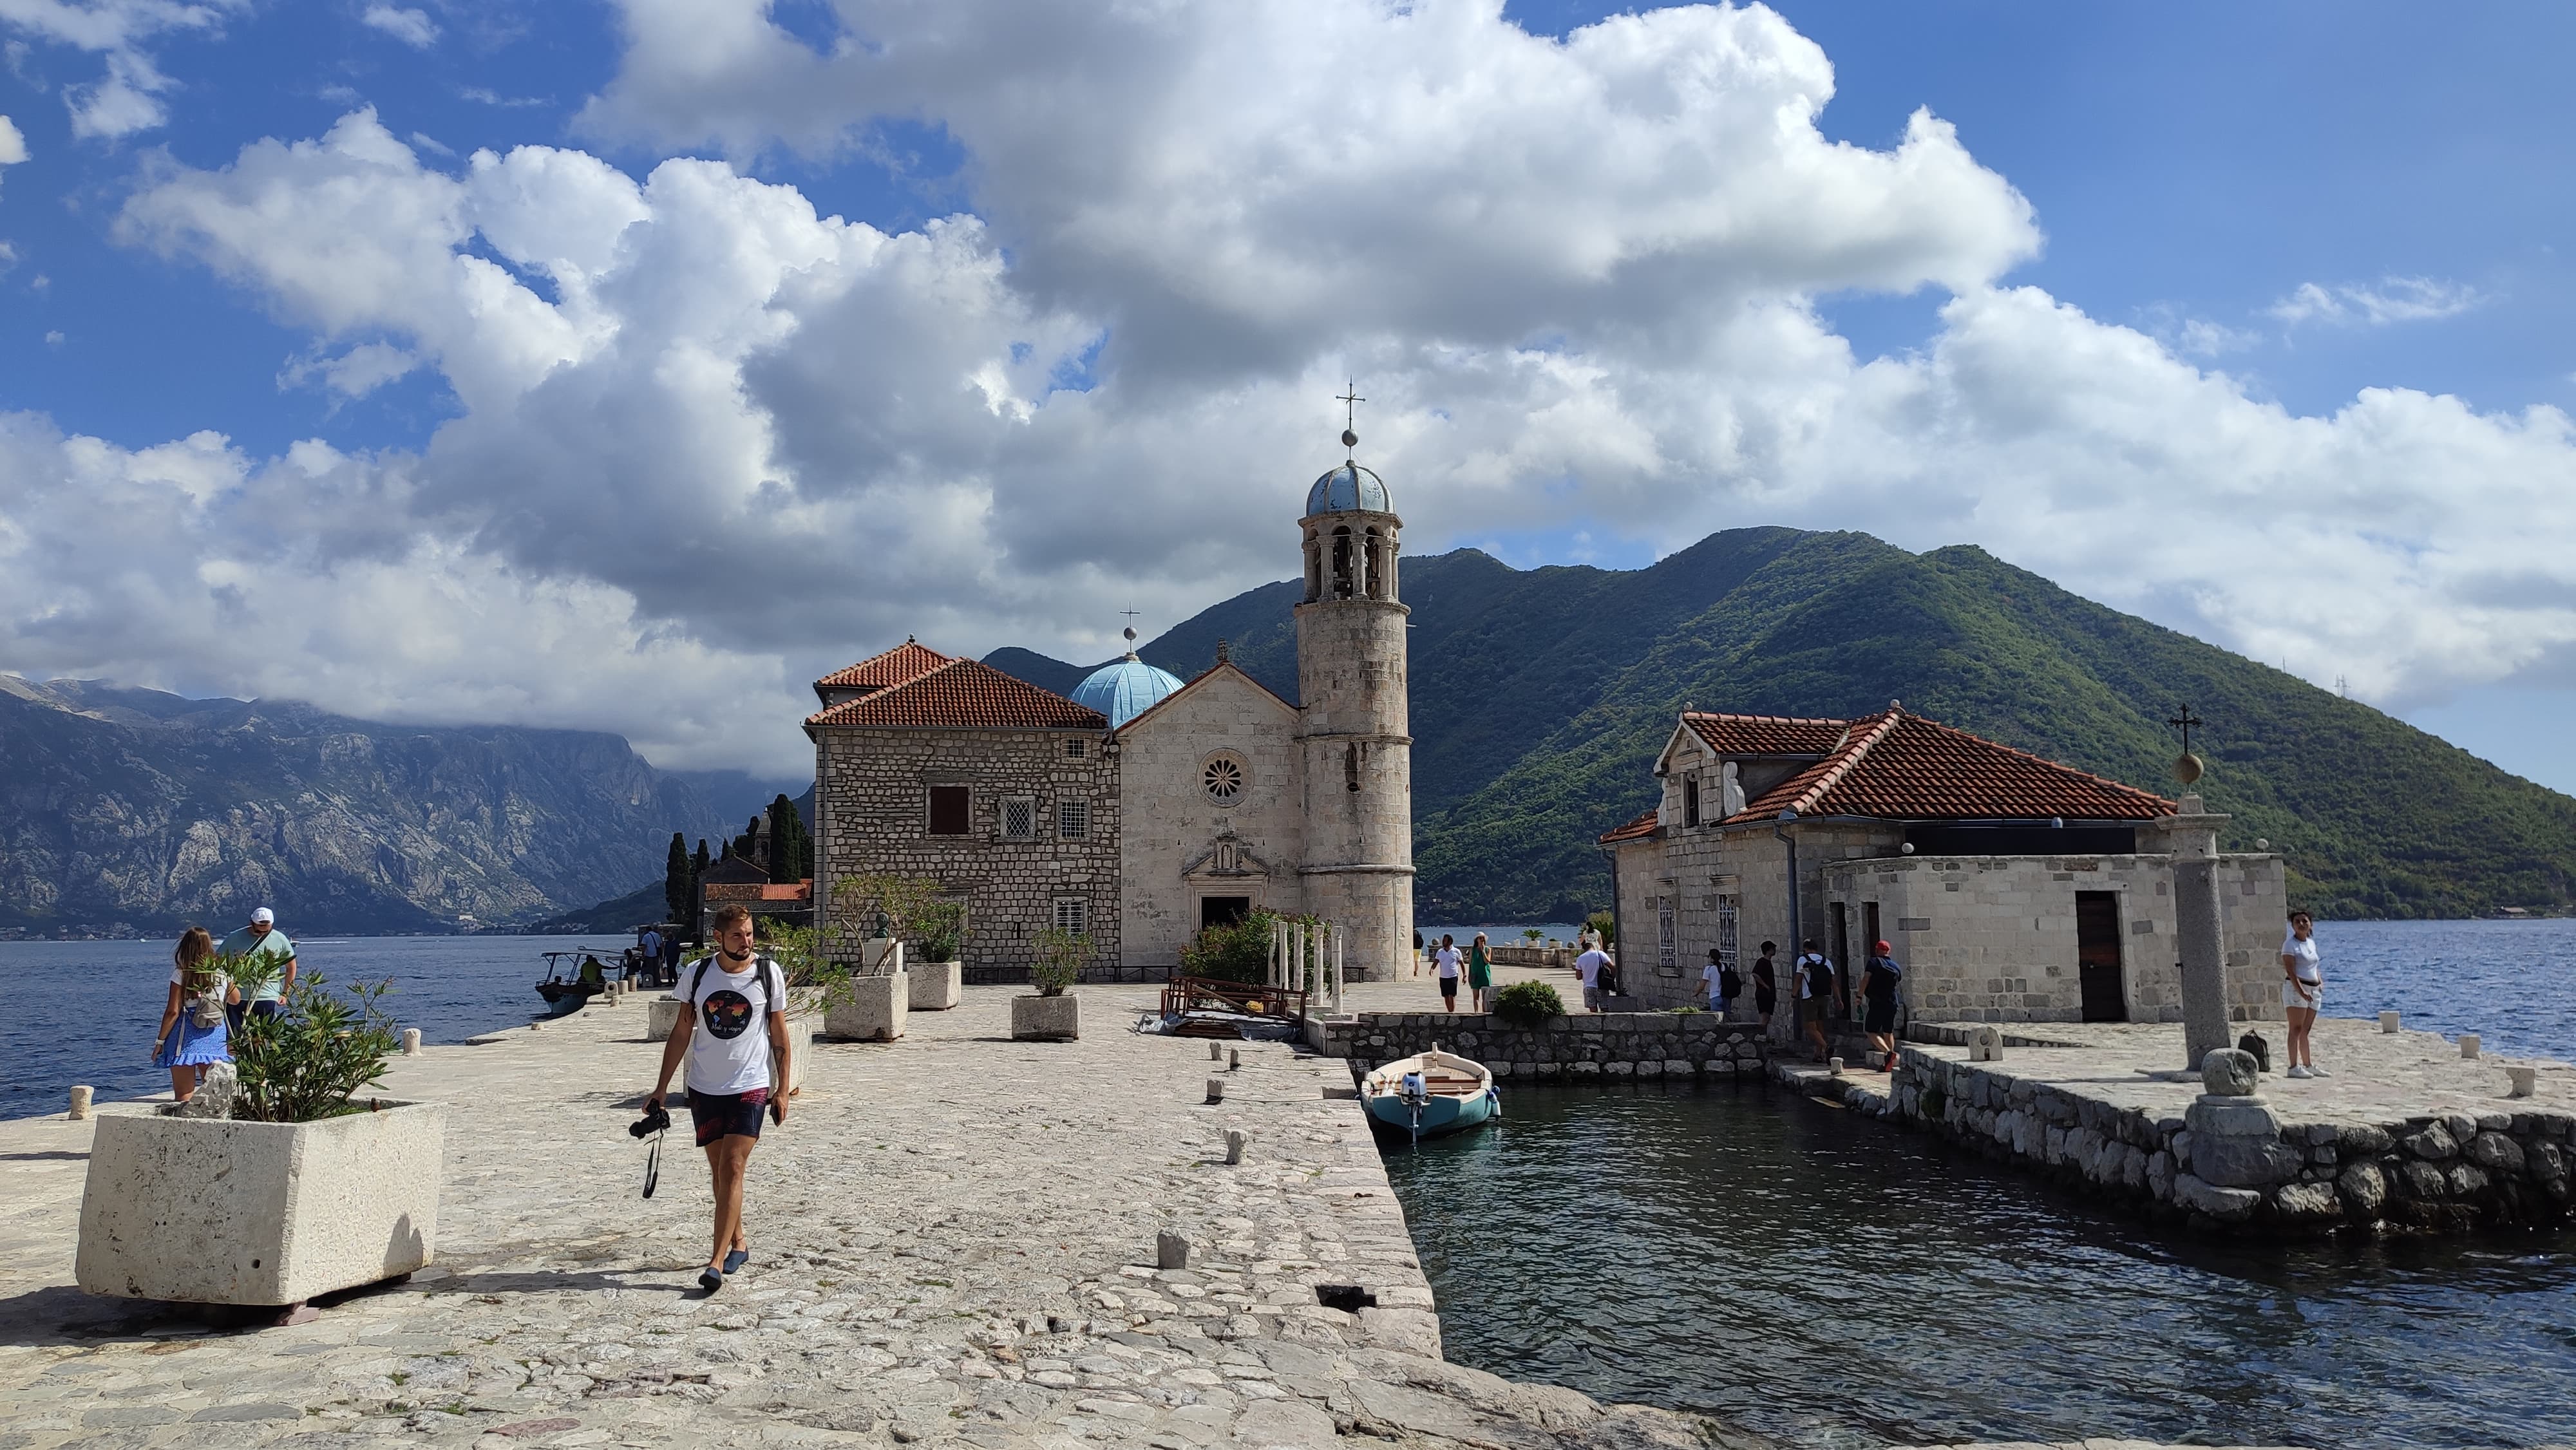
1431 1092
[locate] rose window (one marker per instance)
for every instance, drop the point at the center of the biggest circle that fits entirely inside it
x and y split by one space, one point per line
1222 778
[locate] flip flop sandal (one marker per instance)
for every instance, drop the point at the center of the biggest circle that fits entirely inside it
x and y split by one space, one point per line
735 1260
710 1280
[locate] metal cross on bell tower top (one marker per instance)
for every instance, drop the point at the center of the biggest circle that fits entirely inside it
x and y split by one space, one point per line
2187 766
1350 399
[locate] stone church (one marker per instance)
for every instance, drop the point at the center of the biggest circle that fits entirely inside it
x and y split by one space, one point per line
2012 888
1143 808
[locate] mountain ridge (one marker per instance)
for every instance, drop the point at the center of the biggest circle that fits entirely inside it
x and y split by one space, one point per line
1540 697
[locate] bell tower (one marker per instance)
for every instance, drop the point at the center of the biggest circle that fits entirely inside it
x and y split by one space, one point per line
1354 729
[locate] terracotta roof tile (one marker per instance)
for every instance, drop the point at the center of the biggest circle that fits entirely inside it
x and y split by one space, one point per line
1763 734
1897 766
905 661
760 891
1636 830
962 695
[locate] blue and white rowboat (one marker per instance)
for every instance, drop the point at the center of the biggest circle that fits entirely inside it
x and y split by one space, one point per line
1431 1092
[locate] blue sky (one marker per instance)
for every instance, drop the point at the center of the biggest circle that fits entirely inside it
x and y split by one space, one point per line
2301 201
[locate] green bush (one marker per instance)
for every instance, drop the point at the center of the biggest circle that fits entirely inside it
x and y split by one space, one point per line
305 1062
942 930
1528 1004
1237 951
1061 954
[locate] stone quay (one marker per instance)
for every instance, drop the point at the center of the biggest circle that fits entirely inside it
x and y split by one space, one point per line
955 1241
2406 1133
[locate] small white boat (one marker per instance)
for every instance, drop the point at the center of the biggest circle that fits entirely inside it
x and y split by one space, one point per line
1431 1092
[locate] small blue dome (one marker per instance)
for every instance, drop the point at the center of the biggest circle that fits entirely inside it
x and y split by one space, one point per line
1349 488
1125 689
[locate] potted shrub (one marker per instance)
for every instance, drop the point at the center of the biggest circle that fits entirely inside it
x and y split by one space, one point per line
1527 1005
1232 951
276 1182
879 993
938 976
1052 1014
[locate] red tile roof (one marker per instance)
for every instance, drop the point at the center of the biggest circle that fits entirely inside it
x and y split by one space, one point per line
1763 734
905 661
1903 767
962 695
1636 830
760 891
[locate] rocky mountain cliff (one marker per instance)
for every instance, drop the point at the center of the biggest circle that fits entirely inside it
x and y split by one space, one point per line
1540 697
133 810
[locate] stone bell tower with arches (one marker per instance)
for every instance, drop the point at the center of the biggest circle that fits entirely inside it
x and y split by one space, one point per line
1354 731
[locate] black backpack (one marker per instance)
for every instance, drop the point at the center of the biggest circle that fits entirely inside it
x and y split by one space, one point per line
1729 983
1820 976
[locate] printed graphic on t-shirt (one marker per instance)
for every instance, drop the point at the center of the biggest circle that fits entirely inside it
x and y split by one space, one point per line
728 1013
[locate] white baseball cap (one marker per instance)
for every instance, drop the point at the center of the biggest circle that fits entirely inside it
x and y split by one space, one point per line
264 917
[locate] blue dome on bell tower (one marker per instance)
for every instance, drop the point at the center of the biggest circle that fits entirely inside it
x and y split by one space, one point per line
1349 489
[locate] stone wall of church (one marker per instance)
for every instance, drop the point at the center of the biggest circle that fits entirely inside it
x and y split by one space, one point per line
1172 823
1358 751
872 814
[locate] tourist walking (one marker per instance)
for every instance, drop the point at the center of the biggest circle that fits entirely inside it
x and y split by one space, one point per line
1589 967
2303 991
734 1036
1766 984
1480 974
195 1028
1722 982
1878 979
269 947
1815 974
1447 964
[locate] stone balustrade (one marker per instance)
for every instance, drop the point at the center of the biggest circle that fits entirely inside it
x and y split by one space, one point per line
1583 1046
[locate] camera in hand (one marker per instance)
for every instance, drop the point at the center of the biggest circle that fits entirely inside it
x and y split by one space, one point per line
656 1119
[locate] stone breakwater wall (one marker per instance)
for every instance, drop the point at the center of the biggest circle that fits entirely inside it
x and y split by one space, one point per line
2450 1173
1589 1046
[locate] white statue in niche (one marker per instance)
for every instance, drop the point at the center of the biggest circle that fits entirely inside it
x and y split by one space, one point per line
1730 792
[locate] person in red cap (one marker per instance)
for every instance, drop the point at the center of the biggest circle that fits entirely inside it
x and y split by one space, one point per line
1878 979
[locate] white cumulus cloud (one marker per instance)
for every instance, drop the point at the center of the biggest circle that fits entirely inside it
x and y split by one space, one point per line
2391 299
127 98
411 26
701 430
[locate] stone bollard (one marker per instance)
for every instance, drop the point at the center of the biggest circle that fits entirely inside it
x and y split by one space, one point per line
2523 1079
1216 1089
1171 1250
2468 1047
1834 1065
2388 1022
80 1103
1236 1138
1216 1052
1985 1044
1233 1059
411 1042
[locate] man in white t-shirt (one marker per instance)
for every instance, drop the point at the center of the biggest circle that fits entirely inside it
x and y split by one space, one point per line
1447 962
737 1071
1588 966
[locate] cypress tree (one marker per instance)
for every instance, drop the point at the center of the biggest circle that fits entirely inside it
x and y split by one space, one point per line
698 864
678 883
791 850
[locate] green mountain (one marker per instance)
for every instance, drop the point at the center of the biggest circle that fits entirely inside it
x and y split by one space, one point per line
1540 698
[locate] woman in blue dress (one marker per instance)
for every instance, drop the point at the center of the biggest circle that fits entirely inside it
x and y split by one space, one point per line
193 1032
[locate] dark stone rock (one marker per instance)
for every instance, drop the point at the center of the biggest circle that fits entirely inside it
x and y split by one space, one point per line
2227 1073
2360 1140
2364 1187
2421 1180
2466 1179
2434 1142
2545 1161
2495 1151
2307 1205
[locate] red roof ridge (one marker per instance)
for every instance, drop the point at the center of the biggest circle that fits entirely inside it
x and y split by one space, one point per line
885 669
1760 719
1834 767
1643 825
963 694
2037 759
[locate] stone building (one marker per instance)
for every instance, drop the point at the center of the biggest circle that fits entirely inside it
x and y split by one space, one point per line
2012 888
1142 809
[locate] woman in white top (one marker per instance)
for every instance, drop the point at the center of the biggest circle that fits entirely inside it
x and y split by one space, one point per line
2303 991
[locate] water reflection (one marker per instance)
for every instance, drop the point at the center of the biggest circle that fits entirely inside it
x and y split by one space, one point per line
1836 1283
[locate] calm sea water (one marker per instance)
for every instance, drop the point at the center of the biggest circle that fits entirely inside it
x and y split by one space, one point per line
102 1001
1837 1283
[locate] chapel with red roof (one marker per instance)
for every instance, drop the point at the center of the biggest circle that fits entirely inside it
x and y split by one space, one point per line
2011 888
1142 808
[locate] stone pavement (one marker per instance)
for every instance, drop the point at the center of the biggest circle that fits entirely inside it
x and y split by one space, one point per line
952 1243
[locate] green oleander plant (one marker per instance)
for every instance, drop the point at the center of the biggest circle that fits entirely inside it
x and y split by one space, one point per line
1061 955
1235 951
904 902
307 1061
940 930
1528 1004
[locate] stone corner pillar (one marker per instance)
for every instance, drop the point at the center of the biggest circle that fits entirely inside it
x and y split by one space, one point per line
2192 837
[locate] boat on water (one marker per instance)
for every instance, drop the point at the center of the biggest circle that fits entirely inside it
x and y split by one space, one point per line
572 979
1431 1093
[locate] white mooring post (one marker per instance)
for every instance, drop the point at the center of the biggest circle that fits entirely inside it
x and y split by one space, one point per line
1341 945
1278 950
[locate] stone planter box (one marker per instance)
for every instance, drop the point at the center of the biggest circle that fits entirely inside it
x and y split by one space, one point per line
664 1014
1046 1019
874 1011
936 986
211 1211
